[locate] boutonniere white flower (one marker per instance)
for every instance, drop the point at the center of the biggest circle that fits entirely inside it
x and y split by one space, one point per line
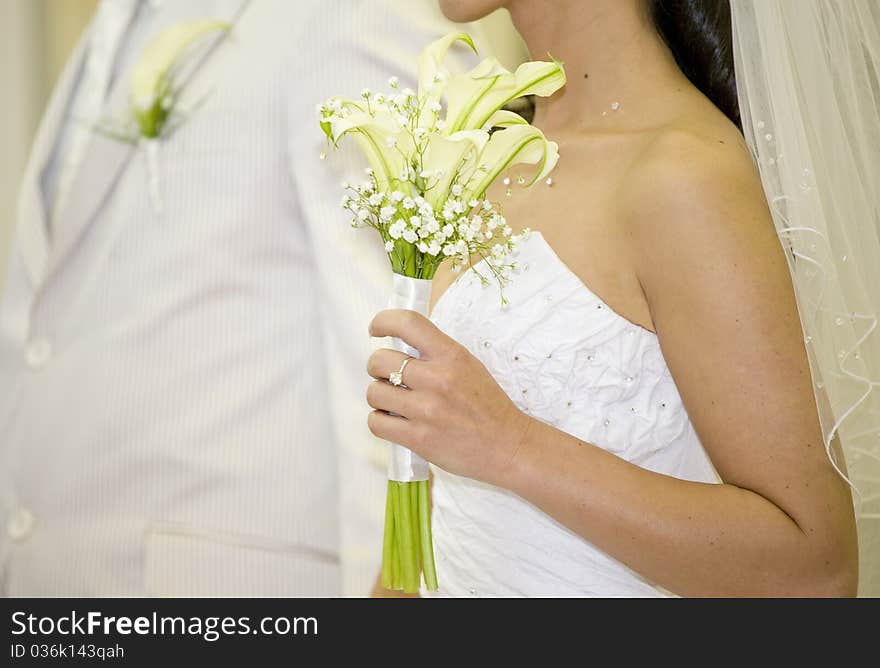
154 93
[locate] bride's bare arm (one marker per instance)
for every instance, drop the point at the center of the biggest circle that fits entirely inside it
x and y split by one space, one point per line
721 300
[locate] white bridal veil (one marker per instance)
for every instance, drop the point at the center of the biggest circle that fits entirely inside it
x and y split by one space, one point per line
807 74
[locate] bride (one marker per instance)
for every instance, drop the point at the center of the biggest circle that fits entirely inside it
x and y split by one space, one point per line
640 419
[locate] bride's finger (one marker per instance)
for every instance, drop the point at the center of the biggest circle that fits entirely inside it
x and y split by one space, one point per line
382 363
389 427
383 396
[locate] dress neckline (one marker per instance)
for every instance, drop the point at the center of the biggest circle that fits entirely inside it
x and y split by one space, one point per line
561 263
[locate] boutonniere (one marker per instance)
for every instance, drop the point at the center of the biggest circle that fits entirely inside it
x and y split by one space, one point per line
155 85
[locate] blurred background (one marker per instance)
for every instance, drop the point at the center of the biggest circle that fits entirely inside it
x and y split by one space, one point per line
36 36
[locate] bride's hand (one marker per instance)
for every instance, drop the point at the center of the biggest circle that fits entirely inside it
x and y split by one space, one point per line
452 412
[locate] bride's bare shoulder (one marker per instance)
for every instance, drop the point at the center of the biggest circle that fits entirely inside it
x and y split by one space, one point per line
693 179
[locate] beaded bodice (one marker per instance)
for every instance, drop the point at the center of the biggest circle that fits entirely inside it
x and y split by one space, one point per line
566 358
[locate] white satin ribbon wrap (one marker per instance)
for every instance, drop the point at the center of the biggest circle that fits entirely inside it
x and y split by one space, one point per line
413 294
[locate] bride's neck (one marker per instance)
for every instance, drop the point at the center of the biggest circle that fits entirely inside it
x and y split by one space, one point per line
615 61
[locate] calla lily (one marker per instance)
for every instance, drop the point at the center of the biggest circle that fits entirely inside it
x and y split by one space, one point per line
476 96
372 132
152 82
515 145
449 155
433 74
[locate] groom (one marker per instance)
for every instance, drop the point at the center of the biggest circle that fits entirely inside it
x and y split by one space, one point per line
181 391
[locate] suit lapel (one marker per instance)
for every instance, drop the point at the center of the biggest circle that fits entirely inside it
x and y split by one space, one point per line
106 158
32 224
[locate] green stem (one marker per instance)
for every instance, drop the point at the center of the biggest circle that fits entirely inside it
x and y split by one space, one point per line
413 488
427 542
407 549
388 542
397 565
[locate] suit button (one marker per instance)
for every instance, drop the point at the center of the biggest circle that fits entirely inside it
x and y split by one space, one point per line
21 524
37 353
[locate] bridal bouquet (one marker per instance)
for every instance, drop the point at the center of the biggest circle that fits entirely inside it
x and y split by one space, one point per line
425 194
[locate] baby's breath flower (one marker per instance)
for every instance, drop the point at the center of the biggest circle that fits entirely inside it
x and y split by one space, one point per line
389 246
393 82
395 231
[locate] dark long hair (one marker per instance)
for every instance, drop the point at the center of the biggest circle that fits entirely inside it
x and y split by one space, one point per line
698 32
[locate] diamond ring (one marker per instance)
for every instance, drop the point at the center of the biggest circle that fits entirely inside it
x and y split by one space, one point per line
396 377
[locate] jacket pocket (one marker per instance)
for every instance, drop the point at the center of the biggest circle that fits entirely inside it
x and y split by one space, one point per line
186 561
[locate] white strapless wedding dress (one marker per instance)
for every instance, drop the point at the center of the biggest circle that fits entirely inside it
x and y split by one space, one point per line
566 358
